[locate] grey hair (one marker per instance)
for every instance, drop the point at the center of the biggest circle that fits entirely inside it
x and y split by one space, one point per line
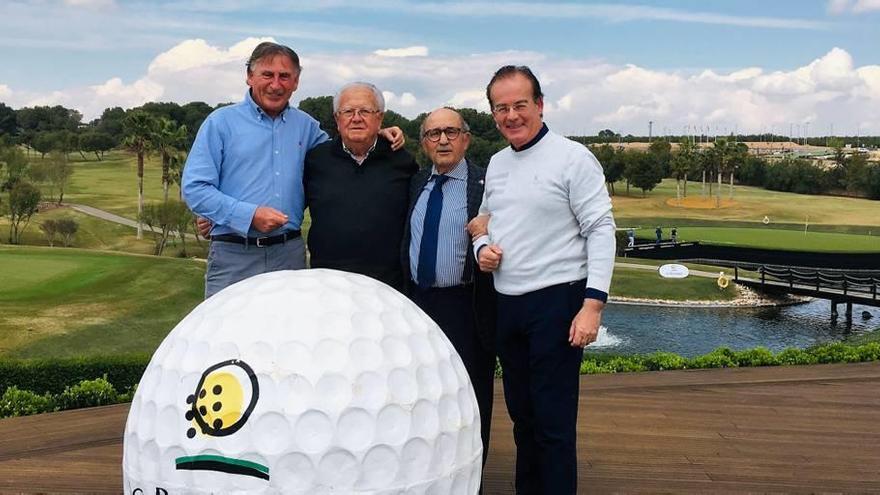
268 49
464 125
377 95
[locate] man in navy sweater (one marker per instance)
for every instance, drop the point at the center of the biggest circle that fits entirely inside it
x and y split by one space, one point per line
357 191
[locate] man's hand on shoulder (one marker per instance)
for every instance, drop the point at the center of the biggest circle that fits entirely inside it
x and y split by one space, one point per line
490 257
393 135
266 219
585 326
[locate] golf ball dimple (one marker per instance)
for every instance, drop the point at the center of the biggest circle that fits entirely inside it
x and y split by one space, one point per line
304 382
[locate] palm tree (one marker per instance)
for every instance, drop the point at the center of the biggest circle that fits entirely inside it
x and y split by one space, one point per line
167 139
138 128
738 154
721 155
682 163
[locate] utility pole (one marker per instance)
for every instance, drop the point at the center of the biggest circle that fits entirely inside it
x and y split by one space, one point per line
650 129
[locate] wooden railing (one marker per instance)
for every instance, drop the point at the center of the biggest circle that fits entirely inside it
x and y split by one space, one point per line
851 282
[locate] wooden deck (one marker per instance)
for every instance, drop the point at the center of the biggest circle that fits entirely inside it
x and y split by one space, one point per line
785 429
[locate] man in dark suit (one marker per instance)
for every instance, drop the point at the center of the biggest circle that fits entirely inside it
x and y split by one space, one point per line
444 279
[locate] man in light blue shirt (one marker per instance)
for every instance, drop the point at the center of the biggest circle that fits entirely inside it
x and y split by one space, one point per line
244 173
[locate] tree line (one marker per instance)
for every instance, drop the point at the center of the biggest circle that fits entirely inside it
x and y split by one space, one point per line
726 164
167 130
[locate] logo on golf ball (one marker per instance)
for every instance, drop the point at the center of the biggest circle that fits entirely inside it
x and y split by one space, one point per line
223 401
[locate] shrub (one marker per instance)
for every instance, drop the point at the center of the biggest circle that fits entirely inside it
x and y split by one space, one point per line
759 356
795 357
869 351
620 364
719 358
659 361
17 402
591 368
67 228
88 393
128 395
835 353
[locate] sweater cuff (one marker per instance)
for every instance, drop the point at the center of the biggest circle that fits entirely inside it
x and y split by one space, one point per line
592 293
480 243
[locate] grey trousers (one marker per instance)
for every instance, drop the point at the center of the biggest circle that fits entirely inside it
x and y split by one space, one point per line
229 262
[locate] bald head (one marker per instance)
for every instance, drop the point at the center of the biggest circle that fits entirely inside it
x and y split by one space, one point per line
445 138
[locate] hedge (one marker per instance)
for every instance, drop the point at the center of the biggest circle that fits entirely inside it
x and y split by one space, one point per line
44 385
54 375
724 357
87 393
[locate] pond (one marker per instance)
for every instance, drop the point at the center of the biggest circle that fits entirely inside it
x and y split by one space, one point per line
630 329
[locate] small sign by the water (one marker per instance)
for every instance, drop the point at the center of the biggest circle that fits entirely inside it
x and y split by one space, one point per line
673 270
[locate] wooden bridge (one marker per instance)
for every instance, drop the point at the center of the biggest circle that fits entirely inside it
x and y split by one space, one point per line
838 286
793 429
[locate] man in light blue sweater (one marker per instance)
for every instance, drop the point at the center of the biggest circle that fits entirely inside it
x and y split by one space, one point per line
550 245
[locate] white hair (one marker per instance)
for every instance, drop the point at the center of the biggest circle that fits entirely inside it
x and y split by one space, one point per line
377 95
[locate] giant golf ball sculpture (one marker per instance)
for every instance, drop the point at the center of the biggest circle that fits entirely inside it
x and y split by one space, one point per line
305 382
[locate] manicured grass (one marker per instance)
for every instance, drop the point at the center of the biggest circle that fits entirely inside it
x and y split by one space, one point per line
771 238
68 302
95 233
691 266
752 204
646 284
111 184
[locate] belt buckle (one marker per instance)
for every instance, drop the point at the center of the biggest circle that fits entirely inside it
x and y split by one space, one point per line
261 240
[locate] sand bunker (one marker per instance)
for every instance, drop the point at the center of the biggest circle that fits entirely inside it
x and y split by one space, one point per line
699 202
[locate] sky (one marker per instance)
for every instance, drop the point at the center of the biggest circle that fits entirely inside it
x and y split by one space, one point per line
808 67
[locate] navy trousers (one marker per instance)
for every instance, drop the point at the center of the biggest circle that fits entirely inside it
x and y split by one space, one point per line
453 311
541 384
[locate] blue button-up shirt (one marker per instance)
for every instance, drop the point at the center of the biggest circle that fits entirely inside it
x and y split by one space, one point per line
452 239
241 159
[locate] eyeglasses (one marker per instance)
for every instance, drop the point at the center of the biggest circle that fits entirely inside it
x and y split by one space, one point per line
349 113
518 107
452 133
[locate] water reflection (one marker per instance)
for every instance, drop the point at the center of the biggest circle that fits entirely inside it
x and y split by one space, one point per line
695 331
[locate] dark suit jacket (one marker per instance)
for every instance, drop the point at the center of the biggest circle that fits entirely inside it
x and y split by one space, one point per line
484 295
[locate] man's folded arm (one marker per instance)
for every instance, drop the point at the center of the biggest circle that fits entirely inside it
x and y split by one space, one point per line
201 179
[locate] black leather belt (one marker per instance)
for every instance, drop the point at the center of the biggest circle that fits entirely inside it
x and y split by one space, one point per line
443 289
258 241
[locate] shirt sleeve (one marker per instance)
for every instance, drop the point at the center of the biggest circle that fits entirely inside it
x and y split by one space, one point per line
201 182
316 134
483 240
591 206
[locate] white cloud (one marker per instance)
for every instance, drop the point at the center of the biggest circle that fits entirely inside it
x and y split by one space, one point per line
193 54
404 100
90 3
866 5
839 6
610 12
583 96
411 51
859 6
